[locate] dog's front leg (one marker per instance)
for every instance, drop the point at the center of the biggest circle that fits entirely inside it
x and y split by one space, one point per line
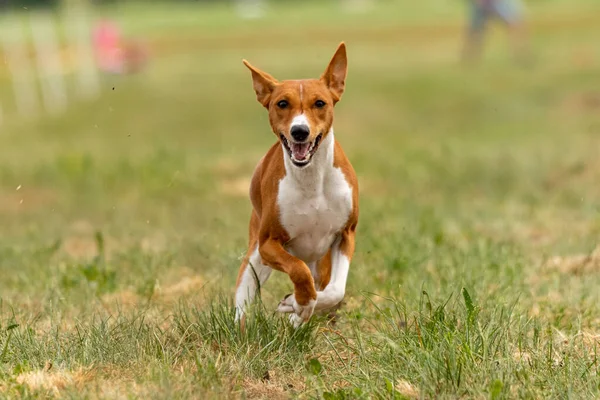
305 295
342 251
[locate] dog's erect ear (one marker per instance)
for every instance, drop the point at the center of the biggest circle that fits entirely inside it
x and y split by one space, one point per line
263 84
335 74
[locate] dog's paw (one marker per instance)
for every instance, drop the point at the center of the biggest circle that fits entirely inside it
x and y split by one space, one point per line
295 320
239 314
287 304
304 312
301 312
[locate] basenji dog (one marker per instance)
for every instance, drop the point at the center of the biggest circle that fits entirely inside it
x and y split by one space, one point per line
304 195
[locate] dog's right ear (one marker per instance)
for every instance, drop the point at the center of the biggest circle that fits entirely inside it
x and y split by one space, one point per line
335 74
263 83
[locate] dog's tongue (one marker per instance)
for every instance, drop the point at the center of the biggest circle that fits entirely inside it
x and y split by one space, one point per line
300 150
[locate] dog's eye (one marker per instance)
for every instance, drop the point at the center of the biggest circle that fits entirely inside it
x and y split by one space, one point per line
282 104
319 104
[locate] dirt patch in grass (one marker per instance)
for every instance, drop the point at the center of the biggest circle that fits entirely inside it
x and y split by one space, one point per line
407 389
579 264
238 187
586 102
187 285
120 389
83 247
178 284
591 342
154 244
180 281
272 386
238 164
264 390
81 243
521 356
126 299
53 381
24 199
582 344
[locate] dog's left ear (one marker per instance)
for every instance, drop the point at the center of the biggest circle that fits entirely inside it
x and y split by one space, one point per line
263 84
335 74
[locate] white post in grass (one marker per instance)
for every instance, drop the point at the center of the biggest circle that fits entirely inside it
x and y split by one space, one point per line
357 6
19 65
250 9
49 63
78 29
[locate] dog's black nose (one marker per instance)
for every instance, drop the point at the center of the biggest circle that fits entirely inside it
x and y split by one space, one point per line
300 132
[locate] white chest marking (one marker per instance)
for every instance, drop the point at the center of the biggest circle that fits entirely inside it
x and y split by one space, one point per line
314 203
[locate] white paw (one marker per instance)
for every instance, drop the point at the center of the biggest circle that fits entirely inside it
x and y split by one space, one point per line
239 314
295 320
300 312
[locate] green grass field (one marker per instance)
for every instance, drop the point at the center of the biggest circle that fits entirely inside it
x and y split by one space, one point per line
477 268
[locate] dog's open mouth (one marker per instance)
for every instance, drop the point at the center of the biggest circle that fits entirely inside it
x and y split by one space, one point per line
301 153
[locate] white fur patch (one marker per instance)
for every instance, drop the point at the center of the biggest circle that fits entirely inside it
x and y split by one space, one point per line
248 286
336 289
299 313
314 203
299 120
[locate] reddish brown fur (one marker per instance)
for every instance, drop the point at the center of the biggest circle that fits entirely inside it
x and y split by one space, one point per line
265 227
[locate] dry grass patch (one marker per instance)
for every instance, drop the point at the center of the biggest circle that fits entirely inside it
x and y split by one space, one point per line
54 381
81 242
579 103
237 187
585 342
521 356
237 164
273 386
579 264
187 285
264 390
179 282
154 244
25 198
125 299
407 389
120 389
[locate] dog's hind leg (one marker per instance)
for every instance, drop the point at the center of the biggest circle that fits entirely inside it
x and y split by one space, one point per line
252 275
341 255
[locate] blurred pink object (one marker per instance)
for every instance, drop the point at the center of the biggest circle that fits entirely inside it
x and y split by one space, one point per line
107 44
115 54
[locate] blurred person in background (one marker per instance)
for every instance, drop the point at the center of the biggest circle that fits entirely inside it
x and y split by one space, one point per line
481 12
114 54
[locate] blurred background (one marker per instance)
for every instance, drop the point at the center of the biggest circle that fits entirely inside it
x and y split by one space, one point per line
131 129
